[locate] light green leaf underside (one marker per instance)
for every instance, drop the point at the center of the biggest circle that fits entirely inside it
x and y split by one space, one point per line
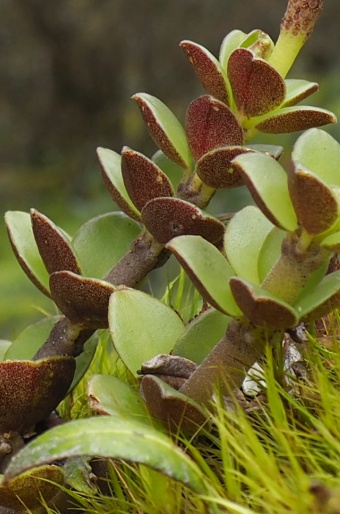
329 286
141 327
111 437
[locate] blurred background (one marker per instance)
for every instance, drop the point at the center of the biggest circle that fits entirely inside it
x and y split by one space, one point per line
68 70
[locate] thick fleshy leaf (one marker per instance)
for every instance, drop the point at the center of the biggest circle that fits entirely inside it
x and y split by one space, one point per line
243 239
314 202
211 124
208 70
259 43
293 119
208 269
270 252
53 245
164 128
111 437
332 242
172 170
111 396
19 228
297 90
257 87
320 153
215 169
82 300
141 327
102 241
110 163
30 489
268 185
173 408
320 300
167 218
30 390
231 41
28 342
201 335
262 308
143 179
172 369
274 151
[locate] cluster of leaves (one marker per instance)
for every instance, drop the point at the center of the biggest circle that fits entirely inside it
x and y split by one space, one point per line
264 273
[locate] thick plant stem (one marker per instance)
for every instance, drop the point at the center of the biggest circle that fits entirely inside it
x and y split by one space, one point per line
228 363
293 268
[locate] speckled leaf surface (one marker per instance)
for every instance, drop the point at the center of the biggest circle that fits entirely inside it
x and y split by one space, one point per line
30 390
28 490
110 163
143 179
257 87
293 119
164 128
297 90
211 124
141 327
215 168
208 70
53 244
111 437
82 300
260 307
208 269
315 204
166 218
173 408
21 236
102 241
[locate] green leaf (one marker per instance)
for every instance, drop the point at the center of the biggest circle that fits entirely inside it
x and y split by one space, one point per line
268 185
229 44
4 347
297 90
110 395
244 237
20 232
270 252
28 342
201 335
208 269
110 437
141 327
320 153
110 163
102 241
320 300
164 128
332 242
172 170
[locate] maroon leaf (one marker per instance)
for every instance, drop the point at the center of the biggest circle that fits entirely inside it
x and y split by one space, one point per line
143 179
208 70
260 309
173 408
257 87
215 170
293 119
83 300
166 218
211 124
30 390
54 248
314 203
